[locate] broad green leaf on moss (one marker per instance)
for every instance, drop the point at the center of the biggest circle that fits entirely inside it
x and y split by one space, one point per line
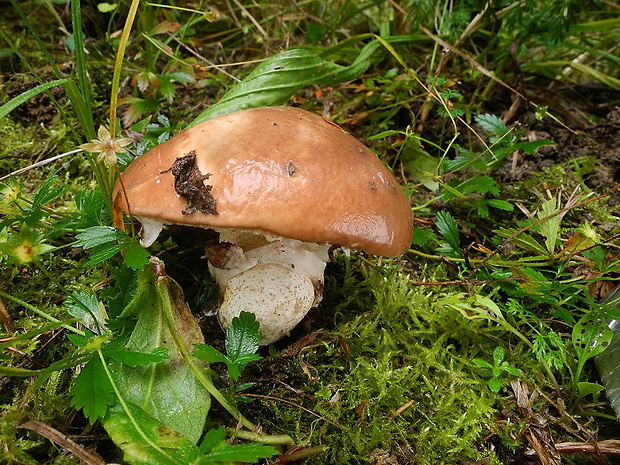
92 390
168 390
162 446
277 79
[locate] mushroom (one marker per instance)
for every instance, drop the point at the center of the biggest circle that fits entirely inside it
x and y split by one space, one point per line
281 186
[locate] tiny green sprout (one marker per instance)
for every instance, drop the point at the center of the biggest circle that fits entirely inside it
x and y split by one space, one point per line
540 113
497 370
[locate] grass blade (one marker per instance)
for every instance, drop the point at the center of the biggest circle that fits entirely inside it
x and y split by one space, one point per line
21 98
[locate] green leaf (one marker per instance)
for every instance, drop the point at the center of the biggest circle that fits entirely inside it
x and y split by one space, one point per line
209 354
97 235
586 389
240 453
498 355
523 240
500 204
492 124
494 384
169 391
92 390
277 79
480 184
105 7
147 440
242 336
136 256
102 253
133 358
21 98
421 236
482 363
46 194
213 438
550 227
419 163
86 308
530 147
512 370
92 209
448 229
590 337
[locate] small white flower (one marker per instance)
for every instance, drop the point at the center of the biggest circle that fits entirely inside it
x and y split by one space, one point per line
105 146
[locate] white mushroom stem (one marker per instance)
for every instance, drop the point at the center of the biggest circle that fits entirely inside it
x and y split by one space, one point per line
277 279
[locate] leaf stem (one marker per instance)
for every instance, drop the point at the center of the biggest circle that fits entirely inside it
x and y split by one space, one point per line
41 313
263 438
162 291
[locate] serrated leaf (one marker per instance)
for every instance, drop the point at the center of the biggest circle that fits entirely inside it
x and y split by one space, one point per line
46 194
480 184
92 390
421 236
492 124
136 256
97 235
523 240
104 252
551 226
91 205
448 228
466 159
242 336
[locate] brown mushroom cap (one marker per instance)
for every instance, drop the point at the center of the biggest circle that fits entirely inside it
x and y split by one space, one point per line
279 170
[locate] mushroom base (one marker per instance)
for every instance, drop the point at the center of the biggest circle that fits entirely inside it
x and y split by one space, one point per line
277 279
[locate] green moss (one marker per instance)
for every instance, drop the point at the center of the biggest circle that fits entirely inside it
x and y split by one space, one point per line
395 376
48 404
